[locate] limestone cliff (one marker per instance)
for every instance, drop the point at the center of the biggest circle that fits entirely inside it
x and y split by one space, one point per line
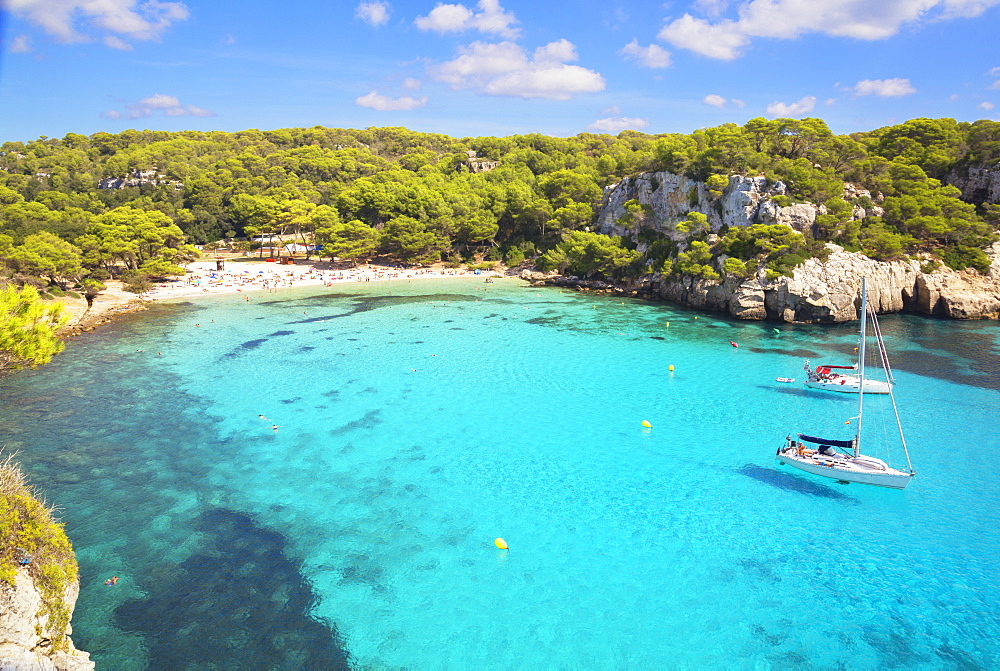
25 643
818 291
825 291
669 197
977 184
38 582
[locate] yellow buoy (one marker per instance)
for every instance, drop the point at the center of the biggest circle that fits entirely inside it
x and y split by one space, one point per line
500 543
671 368
646 424
668 323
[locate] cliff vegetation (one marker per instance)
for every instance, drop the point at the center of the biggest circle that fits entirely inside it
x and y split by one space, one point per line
32 541
79 209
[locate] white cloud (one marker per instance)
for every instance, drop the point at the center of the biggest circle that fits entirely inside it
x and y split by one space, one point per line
884 88
715 100
21 44
803 106
614 109
712 8
504 69
445 19
953 97
117 43
411 84
966 8
133 19
374 13
158 102
790 19
829 101
653 56
723 40
383 103
228 39
491 19
618 124
986 106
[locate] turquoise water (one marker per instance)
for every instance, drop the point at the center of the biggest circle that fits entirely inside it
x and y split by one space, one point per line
419 421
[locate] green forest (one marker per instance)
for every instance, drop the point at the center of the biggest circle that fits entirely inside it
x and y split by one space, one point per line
420 197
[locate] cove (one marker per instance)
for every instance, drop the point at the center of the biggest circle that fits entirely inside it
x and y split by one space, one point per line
419 421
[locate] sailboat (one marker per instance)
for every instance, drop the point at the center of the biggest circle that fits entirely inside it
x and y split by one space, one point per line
842 459
829 379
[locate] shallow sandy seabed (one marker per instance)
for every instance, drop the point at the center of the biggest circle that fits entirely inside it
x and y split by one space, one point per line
249 277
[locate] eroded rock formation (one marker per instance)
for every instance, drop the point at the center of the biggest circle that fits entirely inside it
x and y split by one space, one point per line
824 291
819 291
978 185
25 642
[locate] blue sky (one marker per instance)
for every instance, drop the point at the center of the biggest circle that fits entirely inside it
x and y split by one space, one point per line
491 67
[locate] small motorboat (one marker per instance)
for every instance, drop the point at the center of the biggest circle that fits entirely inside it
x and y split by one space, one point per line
784 379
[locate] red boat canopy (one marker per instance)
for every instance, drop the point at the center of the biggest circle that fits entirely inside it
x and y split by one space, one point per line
825 370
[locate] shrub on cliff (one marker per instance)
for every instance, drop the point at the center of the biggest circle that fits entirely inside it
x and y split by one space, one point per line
28 530
960 257
776 247
696 261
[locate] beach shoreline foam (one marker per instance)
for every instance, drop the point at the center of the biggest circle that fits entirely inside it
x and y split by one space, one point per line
247 276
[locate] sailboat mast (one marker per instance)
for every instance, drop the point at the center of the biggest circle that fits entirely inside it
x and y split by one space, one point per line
861 362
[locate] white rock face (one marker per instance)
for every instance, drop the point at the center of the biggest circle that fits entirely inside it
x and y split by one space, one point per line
978 185
818 291
672 196
800 216
21 648
829 291
962 295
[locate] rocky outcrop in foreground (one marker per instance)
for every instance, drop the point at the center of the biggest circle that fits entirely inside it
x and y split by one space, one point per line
22 647
822 291
38 582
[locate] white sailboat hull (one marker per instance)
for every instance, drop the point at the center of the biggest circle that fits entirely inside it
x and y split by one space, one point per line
863 470
848 384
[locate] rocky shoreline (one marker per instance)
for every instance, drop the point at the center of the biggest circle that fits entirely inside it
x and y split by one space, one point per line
25 629
819 291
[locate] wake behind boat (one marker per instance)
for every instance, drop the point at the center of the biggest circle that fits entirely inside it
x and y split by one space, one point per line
842 459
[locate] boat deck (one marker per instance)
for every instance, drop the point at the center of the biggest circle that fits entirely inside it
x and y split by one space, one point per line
862 469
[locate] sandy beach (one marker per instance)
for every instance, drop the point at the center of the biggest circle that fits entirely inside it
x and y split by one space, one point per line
248 276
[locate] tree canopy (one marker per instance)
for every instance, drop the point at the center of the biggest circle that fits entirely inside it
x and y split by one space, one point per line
27 328
419 197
